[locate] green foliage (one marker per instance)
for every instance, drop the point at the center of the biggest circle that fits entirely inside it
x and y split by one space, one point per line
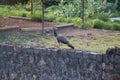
77 21
36 16
103 16
69 10
53 8
115 26
7 11
115 14
88 24
49 17
48 3
118 3
63 20
13 2
99 24
93 8
116 21
24 15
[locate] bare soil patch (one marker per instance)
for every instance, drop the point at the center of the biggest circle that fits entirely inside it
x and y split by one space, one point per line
23 23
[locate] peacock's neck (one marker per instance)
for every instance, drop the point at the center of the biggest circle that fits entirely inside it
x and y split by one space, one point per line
55 33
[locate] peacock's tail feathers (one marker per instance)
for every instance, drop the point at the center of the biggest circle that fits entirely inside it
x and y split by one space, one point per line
70 46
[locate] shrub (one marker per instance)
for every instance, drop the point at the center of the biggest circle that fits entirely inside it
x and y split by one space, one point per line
63 20
107 26
59 19
88 24
103 16
36 16
99 24
77 21
49 17
115 14
68 20
53 8
116 26
51 2
116 21
24 15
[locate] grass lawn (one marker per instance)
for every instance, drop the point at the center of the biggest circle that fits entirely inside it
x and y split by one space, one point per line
96 42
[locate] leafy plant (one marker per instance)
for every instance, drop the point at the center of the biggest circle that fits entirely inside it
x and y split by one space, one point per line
77 21
116 26
103 16
49 17
88 24
63 20
69 9
36 16
99 24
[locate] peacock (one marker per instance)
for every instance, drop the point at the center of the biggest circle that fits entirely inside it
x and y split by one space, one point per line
62 39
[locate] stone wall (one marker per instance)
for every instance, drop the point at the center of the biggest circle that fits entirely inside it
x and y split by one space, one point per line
19 62
112 64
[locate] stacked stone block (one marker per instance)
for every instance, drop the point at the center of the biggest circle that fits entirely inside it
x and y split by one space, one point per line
20 62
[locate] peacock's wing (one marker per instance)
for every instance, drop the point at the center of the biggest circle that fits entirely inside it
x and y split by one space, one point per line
62 39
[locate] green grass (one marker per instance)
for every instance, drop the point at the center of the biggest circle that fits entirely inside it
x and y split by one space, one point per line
98 43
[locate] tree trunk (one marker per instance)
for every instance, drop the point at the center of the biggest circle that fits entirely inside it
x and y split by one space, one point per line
82 13
31 2
42 16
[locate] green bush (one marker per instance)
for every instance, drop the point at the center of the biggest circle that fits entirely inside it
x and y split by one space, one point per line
88 24
103 16
77 21
115 14
63 20
116 21
116 26
53 8
59 20
24 15
99 24
107 26
68 20
36 16
49 17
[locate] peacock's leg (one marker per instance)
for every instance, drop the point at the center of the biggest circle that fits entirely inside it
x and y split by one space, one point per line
59 44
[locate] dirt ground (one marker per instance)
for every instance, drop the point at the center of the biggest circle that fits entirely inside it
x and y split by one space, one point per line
70 31
22 23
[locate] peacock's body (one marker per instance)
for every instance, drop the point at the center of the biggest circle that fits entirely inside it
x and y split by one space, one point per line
62 39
